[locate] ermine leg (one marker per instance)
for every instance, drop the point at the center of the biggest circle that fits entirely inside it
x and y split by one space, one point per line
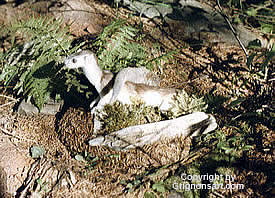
94 103
97 110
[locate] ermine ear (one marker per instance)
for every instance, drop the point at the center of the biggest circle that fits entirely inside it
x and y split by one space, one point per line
85 58
96 59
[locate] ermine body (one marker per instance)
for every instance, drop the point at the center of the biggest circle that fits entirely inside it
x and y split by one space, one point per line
150 95
139 75
130 83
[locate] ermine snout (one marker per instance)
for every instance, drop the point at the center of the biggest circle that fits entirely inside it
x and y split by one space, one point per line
71 63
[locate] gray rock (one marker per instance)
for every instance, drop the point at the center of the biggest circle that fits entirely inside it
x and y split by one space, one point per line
149 10
50 108
80 15
191 19
26 108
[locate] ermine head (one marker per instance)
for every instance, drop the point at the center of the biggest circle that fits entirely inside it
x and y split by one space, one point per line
80 59
88 62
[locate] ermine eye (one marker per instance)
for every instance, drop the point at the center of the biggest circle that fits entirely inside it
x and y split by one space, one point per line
74 60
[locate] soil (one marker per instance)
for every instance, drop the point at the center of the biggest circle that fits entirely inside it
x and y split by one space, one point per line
200 69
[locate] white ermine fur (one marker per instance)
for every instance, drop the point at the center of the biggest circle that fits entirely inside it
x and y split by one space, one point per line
151 95
130 84
101 80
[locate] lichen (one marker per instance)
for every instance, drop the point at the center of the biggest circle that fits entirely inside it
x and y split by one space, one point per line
184 104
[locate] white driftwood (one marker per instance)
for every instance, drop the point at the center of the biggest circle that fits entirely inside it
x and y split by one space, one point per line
140 135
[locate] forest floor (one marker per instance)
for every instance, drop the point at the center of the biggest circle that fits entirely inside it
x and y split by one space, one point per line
217 69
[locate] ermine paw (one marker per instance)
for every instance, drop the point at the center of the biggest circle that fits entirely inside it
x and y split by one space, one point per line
93 110
92 105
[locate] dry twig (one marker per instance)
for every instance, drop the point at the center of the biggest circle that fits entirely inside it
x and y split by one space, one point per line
232 29
6 132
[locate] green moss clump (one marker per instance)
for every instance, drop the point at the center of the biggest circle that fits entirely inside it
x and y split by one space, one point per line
118 116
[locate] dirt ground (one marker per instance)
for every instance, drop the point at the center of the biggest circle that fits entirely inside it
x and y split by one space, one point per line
59 174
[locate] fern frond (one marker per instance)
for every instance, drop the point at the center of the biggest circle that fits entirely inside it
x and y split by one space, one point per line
34 66
117 47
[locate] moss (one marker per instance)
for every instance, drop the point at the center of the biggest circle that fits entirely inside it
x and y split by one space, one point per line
118 116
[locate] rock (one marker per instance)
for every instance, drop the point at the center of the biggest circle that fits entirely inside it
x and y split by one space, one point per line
3 184
37 151
27 108
80 15
193 20
148 10
140 135
13 166
50 108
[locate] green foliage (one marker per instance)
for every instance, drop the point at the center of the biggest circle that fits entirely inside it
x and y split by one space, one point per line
149 195
260 71
182 185
258 80
159 187
90 160
132 185
235 3
257 14
227 148
34 67
43 186
120 46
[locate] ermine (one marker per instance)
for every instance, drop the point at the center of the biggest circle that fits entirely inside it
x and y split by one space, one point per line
132 84
129 83
150 95
102 80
